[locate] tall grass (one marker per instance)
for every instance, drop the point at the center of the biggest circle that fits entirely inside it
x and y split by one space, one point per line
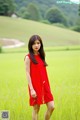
63 70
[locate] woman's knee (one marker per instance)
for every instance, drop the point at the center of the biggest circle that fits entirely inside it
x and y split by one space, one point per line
50 106
36 108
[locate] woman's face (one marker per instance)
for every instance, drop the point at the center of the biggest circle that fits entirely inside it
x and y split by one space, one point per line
36 46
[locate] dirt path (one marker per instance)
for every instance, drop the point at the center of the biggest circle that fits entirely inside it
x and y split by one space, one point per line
10 43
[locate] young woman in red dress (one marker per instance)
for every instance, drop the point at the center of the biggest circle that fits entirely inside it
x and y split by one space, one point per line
39 87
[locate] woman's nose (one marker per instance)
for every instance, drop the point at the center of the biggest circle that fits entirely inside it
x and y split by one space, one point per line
36 45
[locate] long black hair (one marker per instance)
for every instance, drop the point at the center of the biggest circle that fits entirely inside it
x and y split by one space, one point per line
41 50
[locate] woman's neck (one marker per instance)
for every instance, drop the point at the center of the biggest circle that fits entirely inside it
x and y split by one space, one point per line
36 53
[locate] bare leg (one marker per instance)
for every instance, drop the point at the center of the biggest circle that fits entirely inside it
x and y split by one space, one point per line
50 108
35 112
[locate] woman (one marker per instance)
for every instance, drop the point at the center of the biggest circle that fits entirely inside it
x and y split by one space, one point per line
39 87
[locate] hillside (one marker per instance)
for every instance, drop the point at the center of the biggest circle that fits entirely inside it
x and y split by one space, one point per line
21 29
70 10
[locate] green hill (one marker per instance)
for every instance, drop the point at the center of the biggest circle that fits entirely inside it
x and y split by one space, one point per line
69 9
22 29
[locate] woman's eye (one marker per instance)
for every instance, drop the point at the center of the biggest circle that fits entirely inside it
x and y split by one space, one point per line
38 43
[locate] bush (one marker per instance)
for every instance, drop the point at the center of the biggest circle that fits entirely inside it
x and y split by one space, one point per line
59 25
76 28
0 49
34 12
54 15
45 21
6 7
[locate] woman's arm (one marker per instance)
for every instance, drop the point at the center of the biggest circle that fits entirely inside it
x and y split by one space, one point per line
27 67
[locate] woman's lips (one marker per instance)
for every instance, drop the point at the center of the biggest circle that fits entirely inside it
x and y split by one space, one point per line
36 48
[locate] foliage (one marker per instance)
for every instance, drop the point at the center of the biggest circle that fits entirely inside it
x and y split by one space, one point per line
6 7
33 12
76 28
54 15
30 12
70 10
41 6
24 13
21 11
59 25
0 48
79 9
45 21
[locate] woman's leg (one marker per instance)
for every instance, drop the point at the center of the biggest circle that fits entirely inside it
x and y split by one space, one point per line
50 108
35 112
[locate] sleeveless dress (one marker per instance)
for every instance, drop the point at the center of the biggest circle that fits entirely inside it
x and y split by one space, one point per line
40 82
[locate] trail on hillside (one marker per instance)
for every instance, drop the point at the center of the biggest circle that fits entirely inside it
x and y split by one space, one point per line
10 43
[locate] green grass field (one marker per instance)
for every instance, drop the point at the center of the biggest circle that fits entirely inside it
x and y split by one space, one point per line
63 70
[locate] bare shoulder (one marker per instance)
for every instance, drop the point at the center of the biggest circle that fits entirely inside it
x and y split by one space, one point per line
27 63
27 59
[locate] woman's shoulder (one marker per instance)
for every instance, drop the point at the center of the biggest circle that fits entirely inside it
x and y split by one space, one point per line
27 57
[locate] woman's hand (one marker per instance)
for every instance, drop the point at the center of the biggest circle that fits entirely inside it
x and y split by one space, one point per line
33 93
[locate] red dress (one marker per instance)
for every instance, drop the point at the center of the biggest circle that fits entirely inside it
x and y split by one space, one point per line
40 82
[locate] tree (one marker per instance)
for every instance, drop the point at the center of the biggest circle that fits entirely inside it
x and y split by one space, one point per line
54 15
34 12
79 10
23 13
77 27
6 7
26 15
0 48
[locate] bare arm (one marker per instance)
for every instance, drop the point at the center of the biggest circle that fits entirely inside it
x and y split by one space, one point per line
27 67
